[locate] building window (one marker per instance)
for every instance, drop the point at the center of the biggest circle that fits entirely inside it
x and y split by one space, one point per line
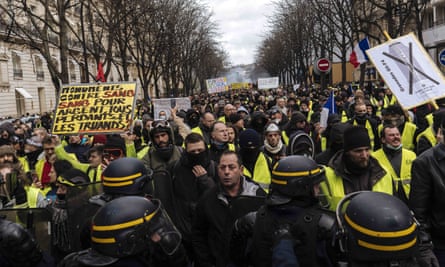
40 74
72 71
17 66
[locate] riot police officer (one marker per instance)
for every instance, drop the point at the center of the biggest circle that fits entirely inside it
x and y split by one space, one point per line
292 228
378 229
19 249
128 237
124 177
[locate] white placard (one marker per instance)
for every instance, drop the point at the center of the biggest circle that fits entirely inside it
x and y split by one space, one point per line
165 104
268 83
408 70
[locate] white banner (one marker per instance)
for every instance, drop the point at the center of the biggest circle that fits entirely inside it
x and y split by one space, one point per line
166 104
408 71
268 83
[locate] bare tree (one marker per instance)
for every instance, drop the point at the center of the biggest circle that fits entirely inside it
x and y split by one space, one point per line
42 26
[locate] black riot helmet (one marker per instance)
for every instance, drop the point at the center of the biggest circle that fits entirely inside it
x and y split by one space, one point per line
294 177
17 246
126 176
125 227
376 227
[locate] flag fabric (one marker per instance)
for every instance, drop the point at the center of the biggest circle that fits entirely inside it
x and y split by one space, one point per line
330 103
100 77
358 55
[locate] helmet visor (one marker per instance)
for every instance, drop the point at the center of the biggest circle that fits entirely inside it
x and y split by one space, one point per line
164 232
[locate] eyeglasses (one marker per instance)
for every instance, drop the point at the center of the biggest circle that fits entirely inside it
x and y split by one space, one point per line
160 124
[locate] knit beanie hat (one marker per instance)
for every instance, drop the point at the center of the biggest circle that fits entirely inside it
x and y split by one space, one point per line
114 141
100 139
7 150
249 138
354 137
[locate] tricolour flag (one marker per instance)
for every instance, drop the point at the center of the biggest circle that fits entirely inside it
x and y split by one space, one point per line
358 55
330 104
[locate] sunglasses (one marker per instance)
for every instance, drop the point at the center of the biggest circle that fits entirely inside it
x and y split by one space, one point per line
113 152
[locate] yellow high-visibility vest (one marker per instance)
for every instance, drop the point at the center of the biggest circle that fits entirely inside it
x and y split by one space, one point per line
408 157
261 172
332 188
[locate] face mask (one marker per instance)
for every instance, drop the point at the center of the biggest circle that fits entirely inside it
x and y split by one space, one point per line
197 159
61 196
163 117
249 154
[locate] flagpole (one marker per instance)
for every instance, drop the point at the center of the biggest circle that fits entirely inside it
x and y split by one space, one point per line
433 101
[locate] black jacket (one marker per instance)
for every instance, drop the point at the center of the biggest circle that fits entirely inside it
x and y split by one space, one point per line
427 194
187 189
213 223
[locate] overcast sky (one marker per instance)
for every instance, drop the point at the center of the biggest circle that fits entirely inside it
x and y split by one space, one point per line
242 25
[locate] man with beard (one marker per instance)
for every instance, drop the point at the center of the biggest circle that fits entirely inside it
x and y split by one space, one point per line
219 141
273 145
192 175
397 160
205 124
353 169
361 118
257 166
163 151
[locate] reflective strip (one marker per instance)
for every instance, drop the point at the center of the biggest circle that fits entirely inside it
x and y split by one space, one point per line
388 248
281 182
264 185
124 178
117 184
297 174
368 232
123 225
103 240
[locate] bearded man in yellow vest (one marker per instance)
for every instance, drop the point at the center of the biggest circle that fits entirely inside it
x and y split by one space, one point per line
397 160
353 169
257 166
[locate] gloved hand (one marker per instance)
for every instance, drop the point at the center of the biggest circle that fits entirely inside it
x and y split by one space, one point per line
426 256
244 225
282 233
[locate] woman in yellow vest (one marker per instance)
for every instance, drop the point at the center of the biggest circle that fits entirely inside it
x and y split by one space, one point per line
353 169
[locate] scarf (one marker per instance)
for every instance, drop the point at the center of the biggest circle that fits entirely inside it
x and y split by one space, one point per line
271 149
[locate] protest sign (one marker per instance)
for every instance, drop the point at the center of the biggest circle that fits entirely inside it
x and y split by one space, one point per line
217 85
268 83
94 108
166 104
408 71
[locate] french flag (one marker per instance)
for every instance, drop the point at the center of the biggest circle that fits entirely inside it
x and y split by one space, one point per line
330 104
358 55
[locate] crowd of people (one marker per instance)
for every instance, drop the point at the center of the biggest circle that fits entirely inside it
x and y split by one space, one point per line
242 178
